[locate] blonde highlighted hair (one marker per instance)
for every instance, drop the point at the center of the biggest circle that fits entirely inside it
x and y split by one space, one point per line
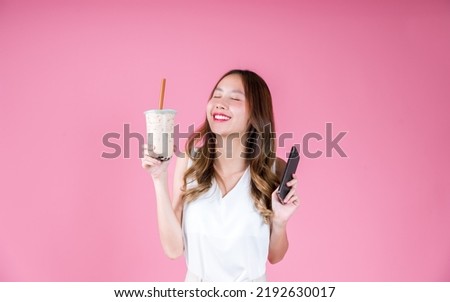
259 147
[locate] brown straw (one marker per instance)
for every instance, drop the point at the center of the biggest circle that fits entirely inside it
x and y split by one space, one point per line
161 97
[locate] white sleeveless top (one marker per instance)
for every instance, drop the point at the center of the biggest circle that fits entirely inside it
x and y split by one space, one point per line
225 238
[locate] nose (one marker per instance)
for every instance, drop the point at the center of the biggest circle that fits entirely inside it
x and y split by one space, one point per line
220 106
220 103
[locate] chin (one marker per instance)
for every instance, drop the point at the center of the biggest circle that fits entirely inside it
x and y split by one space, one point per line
224 131
220 132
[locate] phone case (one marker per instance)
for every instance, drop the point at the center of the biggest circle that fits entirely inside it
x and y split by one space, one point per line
290 169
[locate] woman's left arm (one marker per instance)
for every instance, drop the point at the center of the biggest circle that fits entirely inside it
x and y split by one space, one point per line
279 243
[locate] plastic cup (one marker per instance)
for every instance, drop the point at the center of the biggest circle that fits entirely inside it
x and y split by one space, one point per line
160 136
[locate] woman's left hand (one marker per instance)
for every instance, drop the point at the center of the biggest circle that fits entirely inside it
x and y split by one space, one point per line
283 209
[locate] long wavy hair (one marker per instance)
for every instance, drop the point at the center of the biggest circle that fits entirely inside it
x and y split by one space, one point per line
259 147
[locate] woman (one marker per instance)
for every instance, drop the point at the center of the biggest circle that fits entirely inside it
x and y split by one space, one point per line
225 215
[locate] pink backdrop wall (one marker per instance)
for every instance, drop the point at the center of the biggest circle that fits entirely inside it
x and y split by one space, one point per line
72 72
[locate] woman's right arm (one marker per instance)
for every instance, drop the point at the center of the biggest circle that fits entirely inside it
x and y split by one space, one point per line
168 212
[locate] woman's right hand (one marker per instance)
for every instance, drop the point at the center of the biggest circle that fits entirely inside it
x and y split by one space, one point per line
153 166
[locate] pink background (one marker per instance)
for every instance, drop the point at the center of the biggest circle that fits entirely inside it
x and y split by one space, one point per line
72 72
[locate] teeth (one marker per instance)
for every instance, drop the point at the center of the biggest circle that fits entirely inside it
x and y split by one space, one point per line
221 117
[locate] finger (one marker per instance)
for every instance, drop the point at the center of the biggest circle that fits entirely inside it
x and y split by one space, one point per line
293 200
149 157
151 154
152 161
292 182
289 195
293 203
276 196
145 164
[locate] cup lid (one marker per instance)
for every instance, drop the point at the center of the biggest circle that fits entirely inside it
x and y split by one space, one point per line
161 111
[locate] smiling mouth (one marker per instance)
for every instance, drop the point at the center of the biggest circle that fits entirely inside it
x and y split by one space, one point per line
221 117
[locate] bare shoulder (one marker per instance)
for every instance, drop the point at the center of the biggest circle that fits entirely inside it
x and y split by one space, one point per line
280 165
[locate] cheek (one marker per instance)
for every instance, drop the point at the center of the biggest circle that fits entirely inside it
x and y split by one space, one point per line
209 106
241 115
246 117
245 113
208 109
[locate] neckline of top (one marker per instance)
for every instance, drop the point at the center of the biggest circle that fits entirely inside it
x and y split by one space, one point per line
221 196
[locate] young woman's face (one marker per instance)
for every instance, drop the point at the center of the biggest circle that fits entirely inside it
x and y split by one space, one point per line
227 111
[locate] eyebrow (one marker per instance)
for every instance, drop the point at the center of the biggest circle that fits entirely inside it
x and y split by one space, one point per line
235 91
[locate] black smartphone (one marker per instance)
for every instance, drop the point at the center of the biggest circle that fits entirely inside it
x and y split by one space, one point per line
290 169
